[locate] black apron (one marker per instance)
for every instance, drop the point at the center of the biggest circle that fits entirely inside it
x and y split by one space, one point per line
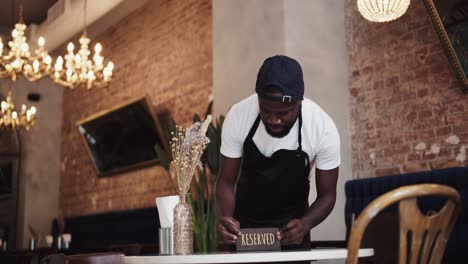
272 190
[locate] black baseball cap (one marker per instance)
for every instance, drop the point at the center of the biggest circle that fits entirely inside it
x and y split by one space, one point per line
283 73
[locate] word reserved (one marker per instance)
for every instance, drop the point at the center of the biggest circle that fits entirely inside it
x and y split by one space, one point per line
258 239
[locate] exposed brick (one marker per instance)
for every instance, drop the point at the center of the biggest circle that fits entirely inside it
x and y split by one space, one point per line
163 50
413 91
411 116
457 107
429 156
423 92
396 150
459 129
444 163
424 115
387 171
392 82
415 166
414 156
398 159
395 99
421 54
371 145
396 140
354 92
442 131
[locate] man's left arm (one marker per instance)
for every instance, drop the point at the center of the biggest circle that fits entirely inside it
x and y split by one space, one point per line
327 161
296 229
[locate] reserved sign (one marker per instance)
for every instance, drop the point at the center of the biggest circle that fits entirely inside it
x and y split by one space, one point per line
258 239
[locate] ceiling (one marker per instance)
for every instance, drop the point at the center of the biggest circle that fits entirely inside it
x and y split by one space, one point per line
34 12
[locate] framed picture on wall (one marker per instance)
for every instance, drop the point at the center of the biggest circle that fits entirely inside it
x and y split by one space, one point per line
450 19
123 138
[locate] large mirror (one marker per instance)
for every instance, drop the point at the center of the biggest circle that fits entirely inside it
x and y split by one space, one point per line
450 19
123 137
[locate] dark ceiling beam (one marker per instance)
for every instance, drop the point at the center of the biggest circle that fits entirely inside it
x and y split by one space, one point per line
34 11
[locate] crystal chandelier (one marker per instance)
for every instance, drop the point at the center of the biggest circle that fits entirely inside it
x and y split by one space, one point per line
18 60
382 10
11 119
79 69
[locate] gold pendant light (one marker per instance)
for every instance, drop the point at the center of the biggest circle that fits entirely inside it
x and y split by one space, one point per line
12 119
79 70
18 60
382 10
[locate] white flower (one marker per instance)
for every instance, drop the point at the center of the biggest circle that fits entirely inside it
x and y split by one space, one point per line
372 157
420 146
461 157
463 150
435 148
453 139
205 125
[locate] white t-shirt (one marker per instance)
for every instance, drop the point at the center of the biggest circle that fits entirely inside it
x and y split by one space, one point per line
320 138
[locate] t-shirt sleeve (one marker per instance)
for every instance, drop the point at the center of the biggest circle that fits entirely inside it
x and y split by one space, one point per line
328 152
231 142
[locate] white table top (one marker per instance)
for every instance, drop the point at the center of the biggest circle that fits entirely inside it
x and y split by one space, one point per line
314 254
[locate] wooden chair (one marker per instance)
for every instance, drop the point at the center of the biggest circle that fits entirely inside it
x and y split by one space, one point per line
423 238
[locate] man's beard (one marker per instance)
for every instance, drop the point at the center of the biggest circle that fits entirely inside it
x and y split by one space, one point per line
282 133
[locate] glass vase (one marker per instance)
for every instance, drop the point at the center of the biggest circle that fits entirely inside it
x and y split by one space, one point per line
183 227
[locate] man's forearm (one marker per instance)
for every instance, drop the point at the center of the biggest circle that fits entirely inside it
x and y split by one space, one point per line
318 211
225 199
225 185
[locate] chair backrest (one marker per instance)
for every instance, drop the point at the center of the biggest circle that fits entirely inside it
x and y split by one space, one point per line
423 238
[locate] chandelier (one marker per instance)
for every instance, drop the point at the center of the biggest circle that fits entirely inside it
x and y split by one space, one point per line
78 69
19 60
382 10
11 119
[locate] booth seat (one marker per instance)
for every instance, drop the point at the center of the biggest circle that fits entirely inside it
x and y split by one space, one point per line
132 231
384 231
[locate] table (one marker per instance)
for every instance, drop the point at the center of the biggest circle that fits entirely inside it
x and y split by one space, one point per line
248 257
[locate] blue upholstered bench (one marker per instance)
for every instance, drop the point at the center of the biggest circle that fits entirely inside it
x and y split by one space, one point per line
113 229
360 192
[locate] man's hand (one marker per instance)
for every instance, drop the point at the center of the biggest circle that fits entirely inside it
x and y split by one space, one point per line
228 229
295 230
292 233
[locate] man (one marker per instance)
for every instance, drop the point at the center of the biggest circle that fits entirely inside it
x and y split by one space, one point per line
274 137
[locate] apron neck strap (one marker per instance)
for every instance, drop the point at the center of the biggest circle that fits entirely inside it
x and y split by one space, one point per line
254 128
299 130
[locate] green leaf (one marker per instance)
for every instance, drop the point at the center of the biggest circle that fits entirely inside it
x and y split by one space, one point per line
209 109
196 118
163 156
204 210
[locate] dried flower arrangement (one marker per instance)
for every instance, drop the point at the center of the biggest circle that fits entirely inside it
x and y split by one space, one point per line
187 146
201 192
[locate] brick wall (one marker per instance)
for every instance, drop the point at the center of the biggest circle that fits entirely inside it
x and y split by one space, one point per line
164 50
403 94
